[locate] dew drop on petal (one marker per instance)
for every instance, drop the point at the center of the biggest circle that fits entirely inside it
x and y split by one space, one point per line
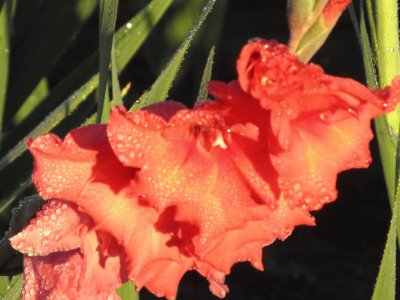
46 232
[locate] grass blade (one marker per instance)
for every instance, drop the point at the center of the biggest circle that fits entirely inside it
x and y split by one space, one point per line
5 11
108 17
116 89
160 88
372 24
6 202
369 63
127 41
53 119
385 287
203 92
34 99
40 50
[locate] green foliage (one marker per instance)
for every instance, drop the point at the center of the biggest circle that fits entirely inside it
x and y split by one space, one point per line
41 48
108 17
127 291
203 92
127 42
382 63
10 289
385 287
5 13
160 88
20 216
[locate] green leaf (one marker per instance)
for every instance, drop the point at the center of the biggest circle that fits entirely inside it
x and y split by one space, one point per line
22 213
160 88
53 119
388 42
108 17
387 137
127 291
131 36
34 99
385 287
41 48
116 89
5 13
20 216
388 67
128 40
13 290
388 58
203 92
368 57
386 49
387 149
6 201
4 281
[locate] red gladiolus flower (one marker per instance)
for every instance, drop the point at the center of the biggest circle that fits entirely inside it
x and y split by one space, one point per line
83 170
316 125
174 189
191 163
161 191
65 259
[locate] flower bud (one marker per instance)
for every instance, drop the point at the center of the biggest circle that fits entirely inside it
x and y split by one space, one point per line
310 23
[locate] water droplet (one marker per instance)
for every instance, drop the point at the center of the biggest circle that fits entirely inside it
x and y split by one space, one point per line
264 80
46 232
120 137
129 25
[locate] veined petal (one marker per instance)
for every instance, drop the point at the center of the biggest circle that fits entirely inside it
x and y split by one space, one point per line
62 168
104 267
318 125
54 276
55 228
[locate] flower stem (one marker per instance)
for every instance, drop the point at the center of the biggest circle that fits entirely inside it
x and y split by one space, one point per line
388 60
388 40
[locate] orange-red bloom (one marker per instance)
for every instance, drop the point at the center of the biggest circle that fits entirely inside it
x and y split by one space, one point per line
64 258
171 186
165 190
315 125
